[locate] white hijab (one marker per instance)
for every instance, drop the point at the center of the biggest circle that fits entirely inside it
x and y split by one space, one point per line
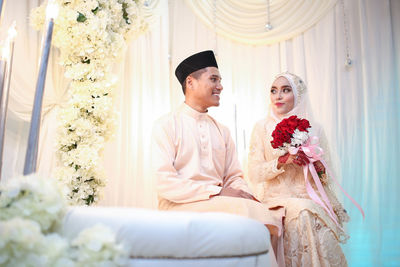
301 108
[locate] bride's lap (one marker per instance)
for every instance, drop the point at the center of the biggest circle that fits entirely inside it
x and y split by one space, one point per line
309 241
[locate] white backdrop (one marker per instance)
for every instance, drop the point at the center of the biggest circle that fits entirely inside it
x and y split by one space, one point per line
359 107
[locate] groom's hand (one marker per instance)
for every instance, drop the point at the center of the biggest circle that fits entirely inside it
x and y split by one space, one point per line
231 192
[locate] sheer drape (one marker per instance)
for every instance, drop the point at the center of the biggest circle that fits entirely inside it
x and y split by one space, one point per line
359 107
244 21
23 83
143 97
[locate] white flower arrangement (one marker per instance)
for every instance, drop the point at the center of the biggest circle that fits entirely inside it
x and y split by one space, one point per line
32 197
23 244
29 206
91 35
96 246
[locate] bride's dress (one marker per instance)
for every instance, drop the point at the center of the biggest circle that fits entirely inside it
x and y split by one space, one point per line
311 237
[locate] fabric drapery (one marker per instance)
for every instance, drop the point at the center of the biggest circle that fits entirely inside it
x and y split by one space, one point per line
244 21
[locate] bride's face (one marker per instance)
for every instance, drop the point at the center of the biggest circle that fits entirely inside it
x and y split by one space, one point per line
282 97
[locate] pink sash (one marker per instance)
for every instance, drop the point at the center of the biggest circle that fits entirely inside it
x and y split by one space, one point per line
314 153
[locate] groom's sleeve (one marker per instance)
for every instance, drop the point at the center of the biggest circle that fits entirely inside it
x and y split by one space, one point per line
233 176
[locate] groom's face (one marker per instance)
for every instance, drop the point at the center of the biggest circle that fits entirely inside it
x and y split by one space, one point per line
207 88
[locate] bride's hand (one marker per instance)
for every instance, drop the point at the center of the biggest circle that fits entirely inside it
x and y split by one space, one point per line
300 159
319 167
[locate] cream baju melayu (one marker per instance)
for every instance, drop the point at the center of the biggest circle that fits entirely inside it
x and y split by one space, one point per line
194 157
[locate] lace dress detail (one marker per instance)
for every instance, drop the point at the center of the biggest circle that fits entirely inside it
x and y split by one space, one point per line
308 242
311 238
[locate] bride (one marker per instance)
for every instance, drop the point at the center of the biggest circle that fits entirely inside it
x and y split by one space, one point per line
311 236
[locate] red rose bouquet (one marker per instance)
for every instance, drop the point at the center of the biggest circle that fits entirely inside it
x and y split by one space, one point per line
291 136
290 132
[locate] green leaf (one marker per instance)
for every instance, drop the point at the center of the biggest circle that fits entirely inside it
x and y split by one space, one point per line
89 200
81 17
72 146
86 61
124 13
95 10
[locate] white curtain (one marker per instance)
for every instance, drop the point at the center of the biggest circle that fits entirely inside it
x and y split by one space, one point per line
23 83
260 22
144 96
359 107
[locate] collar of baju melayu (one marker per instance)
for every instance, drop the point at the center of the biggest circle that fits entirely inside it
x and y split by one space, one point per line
186 109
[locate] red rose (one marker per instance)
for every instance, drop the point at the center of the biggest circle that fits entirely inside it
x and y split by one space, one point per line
284 130
304 125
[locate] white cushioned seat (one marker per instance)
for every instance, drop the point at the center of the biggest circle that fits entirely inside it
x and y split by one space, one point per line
167 238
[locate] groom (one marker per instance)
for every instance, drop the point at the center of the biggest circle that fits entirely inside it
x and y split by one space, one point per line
194 157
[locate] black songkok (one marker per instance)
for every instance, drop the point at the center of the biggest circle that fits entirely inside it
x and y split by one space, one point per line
195 62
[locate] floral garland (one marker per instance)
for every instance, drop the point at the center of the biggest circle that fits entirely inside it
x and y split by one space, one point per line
91 34
31 208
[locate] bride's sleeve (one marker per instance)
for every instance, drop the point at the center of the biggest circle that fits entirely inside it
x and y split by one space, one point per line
260 169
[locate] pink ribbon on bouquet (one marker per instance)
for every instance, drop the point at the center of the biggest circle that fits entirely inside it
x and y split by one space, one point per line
314 152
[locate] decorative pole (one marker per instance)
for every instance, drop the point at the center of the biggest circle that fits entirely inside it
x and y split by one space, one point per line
2 2
5 78
235 117
34 131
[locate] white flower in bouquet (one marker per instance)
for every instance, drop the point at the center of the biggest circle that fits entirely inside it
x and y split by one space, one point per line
97 246
32 197
299 138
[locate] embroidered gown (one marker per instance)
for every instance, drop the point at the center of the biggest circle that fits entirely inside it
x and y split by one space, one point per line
311 237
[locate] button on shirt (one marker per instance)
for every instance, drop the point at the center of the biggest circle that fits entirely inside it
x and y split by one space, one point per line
193 157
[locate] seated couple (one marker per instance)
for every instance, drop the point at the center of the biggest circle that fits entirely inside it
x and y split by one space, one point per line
196 166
